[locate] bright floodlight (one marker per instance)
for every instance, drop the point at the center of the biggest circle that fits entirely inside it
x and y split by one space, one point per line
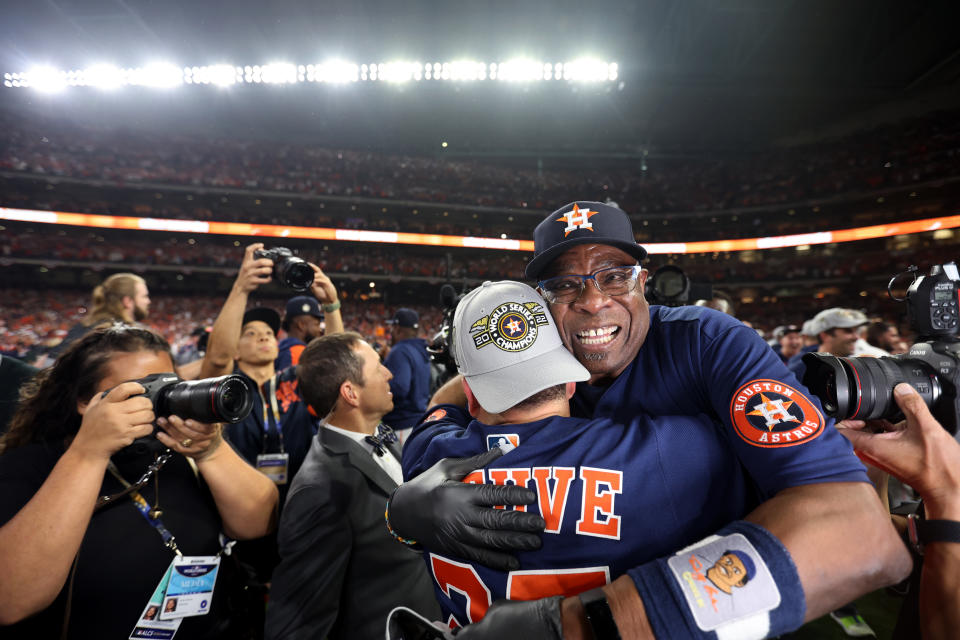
161 74
400 71
519 70
46 79
279 73
586 70
464 70
104 76
337 72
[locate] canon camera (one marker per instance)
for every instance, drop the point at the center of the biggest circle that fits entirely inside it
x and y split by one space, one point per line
225 399
292 271
861 388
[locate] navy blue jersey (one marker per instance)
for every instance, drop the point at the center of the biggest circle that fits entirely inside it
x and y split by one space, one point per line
410 365
288 353
261 431
702 427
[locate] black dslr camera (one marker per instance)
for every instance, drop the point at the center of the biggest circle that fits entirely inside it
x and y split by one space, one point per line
288 268
862 387
670 286
225 399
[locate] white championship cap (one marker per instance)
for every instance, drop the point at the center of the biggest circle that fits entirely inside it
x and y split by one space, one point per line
507 346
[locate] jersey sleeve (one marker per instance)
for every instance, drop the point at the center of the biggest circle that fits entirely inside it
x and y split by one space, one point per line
775 425
436 437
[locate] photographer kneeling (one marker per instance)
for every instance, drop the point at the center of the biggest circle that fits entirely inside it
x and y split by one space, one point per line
91 542
922 454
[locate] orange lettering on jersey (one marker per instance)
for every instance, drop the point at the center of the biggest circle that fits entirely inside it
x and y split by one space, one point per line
474 477
520 477
600 487
553 503
498 476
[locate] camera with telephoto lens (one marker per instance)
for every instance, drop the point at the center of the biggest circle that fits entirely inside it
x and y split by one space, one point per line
669 286
225 399
861 388
439 347
288 268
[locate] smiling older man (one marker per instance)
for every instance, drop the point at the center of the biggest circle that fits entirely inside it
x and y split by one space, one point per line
747 454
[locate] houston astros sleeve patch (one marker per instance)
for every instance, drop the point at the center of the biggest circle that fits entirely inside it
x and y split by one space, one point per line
769 413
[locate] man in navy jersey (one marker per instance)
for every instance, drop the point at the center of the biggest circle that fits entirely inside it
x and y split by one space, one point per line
732 438
596 480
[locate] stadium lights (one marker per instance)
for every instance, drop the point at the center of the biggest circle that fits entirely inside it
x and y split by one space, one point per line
165 75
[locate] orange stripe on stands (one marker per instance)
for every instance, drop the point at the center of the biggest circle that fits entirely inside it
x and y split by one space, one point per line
435 240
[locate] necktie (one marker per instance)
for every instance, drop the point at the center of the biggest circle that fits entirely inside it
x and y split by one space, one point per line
385 436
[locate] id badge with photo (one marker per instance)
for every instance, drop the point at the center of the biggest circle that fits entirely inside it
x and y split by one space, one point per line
190 590
150 625
274 466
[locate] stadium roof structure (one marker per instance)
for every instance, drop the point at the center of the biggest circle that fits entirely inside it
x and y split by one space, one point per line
693 75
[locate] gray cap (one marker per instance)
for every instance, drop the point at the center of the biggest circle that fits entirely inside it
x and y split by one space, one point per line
836 318
507 346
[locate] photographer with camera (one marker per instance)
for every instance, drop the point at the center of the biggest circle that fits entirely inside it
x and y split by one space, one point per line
81 463
921 453
276 436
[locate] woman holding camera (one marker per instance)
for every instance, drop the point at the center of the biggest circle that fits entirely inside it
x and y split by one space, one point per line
81 553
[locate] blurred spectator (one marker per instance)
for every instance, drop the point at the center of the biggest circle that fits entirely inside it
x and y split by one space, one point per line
410 365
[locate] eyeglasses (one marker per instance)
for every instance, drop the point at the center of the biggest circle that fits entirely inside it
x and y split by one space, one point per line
613 281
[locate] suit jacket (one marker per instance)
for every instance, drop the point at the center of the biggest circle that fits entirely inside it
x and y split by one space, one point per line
341 572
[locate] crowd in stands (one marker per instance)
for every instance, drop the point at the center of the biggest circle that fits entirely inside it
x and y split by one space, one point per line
732 269
32 320
905 153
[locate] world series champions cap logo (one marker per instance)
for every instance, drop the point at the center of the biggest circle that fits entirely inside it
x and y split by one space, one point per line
511 327
771 414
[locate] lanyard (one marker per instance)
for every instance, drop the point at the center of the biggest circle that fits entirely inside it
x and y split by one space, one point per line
274 413
169 541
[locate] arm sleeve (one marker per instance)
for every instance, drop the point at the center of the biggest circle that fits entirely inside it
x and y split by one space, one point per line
315 547
434 438
776 426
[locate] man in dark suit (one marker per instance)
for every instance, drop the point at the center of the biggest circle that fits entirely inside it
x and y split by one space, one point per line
341 571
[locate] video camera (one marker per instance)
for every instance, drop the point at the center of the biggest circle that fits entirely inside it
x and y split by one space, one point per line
439 347
292 271
670 286
861 388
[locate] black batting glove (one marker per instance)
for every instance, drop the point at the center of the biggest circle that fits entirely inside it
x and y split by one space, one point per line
518 620
457 519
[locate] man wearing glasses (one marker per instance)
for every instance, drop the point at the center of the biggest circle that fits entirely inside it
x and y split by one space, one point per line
749 460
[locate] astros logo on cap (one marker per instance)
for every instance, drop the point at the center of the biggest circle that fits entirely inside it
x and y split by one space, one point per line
577 219
511 327
770 414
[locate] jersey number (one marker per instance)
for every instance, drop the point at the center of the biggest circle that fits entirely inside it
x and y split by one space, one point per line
462 578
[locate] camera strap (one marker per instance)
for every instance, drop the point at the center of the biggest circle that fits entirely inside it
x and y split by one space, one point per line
148 513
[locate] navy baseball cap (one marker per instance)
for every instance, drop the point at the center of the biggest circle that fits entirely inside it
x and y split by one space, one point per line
581 223
263 314
303 306
405 318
